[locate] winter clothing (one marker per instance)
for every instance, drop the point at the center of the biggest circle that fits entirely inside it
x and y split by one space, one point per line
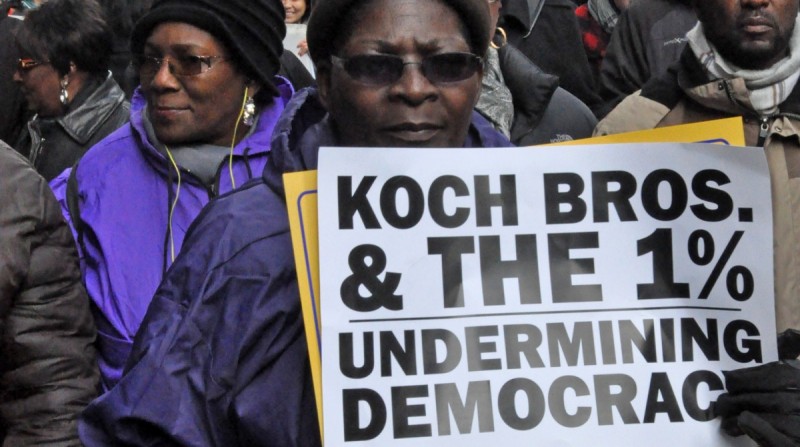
221 358
48 369
55 144
768 87
648 38
595 38
686 94
543 111
252 29
326 22
546 31
134 212
495 102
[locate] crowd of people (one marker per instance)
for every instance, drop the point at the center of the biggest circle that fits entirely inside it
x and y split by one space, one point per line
148 294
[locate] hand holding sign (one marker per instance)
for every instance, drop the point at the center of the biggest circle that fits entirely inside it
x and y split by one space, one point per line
763 402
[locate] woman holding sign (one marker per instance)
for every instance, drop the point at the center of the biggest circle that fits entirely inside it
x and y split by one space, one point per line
221 358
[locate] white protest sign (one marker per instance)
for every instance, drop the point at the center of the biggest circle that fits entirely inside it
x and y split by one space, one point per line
565 296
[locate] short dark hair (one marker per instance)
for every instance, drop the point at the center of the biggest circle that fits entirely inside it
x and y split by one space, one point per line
64 31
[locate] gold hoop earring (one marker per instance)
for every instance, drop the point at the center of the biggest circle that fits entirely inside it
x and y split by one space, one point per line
503 36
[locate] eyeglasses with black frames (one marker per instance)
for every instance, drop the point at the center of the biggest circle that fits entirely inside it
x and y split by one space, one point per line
183 66
385 69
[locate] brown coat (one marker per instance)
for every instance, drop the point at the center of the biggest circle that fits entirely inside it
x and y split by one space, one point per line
48 370
685 95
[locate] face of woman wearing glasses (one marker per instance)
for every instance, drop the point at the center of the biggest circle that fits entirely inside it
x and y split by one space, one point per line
191 108
40 84
412 111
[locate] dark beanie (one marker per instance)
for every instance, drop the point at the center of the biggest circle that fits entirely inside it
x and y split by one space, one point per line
328 15
252 29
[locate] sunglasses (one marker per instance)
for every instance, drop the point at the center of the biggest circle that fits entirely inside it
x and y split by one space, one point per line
384 69
187 65
27 63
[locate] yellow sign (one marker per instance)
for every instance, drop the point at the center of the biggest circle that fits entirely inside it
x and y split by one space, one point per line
729 131
301 203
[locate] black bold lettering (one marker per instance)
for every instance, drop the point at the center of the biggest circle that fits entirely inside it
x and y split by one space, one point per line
436 201
608 348
570 198
402 411
347 356
523 339
507 408
691 332
476 348
750 349
391 349
558 406
506 200
668 340
603 196
431 338
562 267
622 401
451 249
525 268
351 414
645 343
703 191
351 203
477 402
582 341
416 202
679 196
661 399
689 393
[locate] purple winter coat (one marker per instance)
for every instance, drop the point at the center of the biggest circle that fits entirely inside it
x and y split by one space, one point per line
125 190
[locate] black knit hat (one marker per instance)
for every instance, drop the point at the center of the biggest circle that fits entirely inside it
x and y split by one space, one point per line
252 29
328 15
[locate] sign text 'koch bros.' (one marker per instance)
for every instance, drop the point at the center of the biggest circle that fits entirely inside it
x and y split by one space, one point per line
474 295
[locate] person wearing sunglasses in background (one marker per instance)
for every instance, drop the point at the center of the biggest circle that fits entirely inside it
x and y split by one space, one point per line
200 126
64 49
221 358
522 101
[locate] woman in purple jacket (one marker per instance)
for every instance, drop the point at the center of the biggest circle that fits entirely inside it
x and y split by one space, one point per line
200 126
221 359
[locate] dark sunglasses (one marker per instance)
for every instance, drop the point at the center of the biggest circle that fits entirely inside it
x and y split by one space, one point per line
27 63
187 65
384 69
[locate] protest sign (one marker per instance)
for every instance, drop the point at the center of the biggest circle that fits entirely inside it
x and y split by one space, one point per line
301 206
557 295
729 131
296 33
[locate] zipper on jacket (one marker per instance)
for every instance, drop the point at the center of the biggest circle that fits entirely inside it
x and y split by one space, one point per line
763 131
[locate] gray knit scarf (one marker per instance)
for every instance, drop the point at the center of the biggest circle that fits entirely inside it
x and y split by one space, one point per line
495 102
769 87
